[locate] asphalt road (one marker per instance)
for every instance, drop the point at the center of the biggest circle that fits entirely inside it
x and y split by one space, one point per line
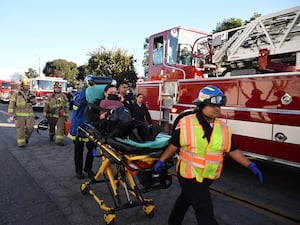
39 187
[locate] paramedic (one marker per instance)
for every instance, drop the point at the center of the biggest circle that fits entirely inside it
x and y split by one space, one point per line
127 96
20 105
80 139
56 110
201 139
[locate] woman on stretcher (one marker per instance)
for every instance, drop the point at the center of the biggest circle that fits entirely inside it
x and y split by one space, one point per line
117 121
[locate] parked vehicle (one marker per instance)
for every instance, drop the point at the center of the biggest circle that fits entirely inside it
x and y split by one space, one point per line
5 90
256 66
43 86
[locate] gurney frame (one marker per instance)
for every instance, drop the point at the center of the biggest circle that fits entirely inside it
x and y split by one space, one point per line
120 171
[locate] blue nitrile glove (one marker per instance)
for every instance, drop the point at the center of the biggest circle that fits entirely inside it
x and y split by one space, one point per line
256 171
157 166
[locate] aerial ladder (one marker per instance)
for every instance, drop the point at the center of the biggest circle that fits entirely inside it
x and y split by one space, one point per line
268 43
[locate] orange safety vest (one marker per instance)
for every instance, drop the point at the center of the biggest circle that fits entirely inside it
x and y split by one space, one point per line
198 158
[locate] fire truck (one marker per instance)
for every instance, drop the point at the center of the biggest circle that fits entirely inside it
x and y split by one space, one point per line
256 66
5 90
42 87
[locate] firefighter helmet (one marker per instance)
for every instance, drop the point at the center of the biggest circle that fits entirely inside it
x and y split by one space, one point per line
57 85
25 81
211 95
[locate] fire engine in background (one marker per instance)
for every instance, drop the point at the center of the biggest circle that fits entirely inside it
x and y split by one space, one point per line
256 66
5 90
43 86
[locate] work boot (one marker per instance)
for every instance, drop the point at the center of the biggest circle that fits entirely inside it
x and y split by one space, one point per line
27 141
51 138
79 175
90 173
60 143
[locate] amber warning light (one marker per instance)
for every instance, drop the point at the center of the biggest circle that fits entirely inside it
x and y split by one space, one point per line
173 110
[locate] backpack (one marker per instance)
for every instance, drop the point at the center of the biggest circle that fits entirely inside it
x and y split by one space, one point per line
119 122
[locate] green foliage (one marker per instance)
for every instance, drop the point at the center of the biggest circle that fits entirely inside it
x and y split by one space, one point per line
31 73
146 53
113 63
233 23
62 68
82 72
228 24
255 15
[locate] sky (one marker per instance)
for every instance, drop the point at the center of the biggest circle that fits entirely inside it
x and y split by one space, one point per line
33 32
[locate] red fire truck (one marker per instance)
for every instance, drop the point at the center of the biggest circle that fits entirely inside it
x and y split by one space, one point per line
43 86
5 90
256 66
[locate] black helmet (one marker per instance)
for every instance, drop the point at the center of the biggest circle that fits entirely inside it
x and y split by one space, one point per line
43 125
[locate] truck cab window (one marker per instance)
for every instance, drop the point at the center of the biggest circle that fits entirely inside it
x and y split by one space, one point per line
185 55
158 51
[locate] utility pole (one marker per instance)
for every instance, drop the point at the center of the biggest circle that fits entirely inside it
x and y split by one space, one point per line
39 64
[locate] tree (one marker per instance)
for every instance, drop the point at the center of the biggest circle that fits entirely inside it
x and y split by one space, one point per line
255 15
62 68
228 24
83 70
31 73
113 63
233 23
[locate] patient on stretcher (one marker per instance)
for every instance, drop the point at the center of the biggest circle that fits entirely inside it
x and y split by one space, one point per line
115 119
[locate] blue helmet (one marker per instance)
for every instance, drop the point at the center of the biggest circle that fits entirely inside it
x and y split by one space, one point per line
211 95
89 80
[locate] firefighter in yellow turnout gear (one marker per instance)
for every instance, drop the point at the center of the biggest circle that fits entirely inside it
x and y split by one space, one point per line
56 110
20 105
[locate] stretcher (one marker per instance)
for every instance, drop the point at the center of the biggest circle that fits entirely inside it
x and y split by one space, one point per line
126 165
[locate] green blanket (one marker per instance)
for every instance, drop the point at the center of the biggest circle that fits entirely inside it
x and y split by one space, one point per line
161 141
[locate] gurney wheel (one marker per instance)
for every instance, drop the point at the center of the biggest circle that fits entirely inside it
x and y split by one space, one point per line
149 210
109 219
84 189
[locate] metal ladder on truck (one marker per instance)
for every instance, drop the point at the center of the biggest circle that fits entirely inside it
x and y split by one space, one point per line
279 33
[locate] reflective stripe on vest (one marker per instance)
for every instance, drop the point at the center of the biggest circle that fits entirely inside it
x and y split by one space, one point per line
198 158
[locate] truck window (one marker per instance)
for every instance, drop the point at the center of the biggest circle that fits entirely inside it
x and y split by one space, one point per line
5 85
185 54
158 50
172 48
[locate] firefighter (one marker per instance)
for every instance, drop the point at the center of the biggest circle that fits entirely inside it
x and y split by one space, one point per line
201 140
20 105
56 110
78 137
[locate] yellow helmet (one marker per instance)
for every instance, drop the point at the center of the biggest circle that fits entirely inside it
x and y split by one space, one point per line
25 81
57 85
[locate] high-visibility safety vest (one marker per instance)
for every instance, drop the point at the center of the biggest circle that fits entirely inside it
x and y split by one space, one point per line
199 158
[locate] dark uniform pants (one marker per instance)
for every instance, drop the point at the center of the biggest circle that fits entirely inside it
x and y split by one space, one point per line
198 196
78 155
